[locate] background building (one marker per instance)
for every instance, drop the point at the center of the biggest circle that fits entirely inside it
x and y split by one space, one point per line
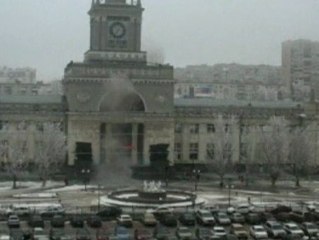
300 66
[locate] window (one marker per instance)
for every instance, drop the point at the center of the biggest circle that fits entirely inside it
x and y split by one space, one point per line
226 127
210 151
193 151
210 128
178 128
178 151
194 128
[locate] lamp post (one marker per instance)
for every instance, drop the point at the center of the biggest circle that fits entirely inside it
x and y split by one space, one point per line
196 174
86 175
98 197
229 190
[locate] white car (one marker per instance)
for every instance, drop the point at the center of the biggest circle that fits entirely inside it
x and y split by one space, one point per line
293 230
219 231
204 217
125 220
244 208
258 232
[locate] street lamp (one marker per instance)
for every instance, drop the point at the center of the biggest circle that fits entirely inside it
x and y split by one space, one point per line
196 174
230 186
86 176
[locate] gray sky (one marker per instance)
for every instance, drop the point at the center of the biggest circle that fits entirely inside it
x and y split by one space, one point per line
47 34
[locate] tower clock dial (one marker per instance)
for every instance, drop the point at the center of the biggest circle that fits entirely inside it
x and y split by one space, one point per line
117 30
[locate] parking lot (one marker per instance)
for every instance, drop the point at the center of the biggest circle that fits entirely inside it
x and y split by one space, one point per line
282 214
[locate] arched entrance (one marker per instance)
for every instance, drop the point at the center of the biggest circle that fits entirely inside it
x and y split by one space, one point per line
122 142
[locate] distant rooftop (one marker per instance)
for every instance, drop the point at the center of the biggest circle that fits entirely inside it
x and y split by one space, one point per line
209 102
36 99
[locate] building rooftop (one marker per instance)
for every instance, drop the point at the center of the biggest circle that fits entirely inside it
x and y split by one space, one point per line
208 102
36 99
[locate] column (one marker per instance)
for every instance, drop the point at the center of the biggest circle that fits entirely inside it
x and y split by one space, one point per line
108 142
134 143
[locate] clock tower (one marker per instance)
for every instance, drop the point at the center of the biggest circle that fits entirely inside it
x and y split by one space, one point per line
117 102
115 28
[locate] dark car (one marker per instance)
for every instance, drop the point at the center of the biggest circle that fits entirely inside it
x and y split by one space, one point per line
82 234
95 222
162 233
169 220
13 221
203 233
237 218
103 234
59 234
142 234
16 234
253 218
187 219
36 221
58 221
77 222
110 213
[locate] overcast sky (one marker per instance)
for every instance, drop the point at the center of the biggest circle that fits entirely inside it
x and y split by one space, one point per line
47 34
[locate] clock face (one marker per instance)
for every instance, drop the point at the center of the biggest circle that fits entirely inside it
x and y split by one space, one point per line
117 30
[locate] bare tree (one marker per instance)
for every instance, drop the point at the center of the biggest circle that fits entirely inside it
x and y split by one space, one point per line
302 147
50 150
248 157
14 150
222 152
274 146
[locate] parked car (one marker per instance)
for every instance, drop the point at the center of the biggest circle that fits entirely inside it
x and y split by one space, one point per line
122 233
204 217
230 237
275 229
104 234
77 222
169 220
253 218
160 211
309 229
244 208
59 234
94 222
19 210
203 233
187 219
258 232
50 211
237 218
238 230
16 234
161 233
184 233
222 218
39 234
142 234
149 219
125 220
36 221
13 221
219 231
109 213
293 230
82 234
57 221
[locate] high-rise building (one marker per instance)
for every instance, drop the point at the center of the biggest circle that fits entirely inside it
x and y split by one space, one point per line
300 67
